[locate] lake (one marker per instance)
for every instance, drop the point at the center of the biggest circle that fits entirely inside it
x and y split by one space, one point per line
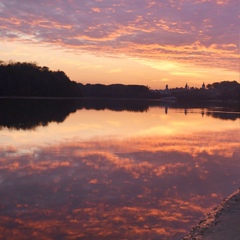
113 169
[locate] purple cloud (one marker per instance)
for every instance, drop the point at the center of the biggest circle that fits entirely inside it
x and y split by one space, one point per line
205 29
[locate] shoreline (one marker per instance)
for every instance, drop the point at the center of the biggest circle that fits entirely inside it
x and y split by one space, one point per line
221 223
170 98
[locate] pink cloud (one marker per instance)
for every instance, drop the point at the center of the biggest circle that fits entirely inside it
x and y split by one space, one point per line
147 29
115 186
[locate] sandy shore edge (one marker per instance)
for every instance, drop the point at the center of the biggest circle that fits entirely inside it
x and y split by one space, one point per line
222 223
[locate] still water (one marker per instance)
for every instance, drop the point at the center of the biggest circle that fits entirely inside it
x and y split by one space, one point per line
90 169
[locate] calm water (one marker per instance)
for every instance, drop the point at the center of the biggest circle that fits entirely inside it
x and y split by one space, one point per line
113 169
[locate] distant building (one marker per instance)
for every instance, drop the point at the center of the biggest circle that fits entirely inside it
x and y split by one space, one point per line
186 86
166 87
203 86
166 109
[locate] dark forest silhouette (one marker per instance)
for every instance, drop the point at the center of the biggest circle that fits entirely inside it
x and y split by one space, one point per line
225 90
30 80
115 91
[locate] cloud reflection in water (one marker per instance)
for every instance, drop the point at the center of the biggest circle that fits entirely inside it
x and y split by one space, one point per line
136 188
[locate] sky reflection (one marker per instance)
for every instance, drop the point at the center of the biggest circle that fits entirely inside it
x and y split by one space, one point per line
137 187
87 124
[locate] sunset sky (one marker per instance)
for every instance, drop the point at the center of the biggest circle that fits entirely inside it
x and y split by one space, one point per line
149 42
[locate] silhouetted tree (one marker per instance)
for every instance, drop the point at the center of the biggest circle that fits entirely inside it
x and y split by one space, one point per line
115 91
29 79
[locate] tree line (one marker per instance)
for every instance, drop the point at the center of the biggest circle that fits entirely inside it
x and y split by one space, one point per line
115 91
225 90
29 79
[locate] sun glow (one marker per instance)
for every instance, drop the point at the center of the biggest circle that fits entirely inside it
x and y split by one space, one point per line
93 44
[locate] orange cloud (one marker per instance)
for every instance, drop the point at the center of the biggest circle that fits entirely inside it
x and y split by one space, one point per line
183 32
152 187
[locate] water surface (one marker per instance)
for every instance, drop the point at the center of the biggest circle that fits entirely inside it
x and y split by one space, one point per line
113 170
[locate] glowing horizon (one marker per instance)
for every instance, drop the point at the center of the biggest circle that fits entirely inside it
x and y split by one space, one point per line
150 43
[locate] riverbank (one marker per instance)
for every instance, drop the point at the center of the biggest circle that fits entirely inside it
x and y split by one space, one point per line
221 223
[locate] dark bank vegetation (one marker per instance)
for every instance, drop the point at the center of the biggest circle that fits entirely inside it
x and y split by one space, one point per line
225 91
115 91
29 79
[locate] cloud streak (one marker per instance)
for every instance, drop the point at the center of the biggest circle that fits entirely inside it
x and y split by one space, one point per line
202 32
98 189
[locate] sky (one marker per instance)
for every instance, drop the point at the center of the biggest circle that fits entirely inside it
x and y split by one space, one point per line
148 42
